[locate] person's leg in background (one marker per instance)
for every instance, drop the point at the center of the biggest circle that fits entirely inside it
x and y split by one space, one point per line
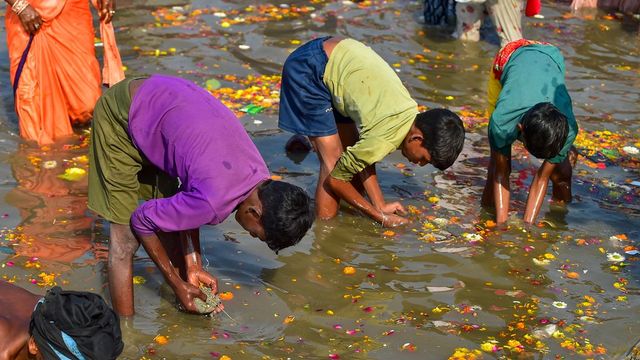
507 18
469 17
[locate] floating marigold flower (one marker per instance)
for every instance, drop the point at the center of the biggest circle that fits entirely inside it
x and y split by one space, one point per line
465 354
572 275
226 296
349 270
161 339
73 174
515 345
489 346
47 279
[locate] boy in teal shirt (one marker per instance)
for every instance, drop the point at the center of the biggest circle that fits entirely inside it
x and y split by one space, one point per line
329 85
529 102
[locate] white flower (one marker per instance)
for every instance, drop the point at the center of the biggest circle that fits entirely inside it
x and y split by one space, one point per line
49 164
440 222
631 150
543 262
472 237
615 257
559 304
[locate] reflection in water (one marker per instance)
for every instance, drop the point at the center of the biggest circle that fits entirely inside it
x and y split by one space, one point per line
54 224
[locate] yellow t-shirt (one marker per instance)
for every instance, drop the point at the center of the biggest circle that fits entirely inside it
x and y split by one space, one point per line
366 89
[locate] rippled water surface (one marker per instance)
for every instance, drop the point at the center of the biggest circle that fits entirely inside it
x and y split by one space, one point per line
449 282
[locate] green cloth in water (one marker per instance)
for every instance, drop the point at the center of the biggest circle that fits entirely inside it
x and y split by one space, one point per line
366 89
533 74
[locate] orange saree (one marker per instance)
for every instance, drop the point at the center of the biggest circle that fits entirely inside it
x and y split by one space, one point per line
60 81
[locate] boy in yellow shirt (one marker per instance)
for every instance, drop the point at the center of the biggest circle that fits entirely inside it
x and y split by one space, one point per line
330 84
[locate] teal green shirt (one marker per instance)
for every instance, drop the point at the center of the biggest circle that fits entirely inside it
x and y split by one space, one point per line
533 74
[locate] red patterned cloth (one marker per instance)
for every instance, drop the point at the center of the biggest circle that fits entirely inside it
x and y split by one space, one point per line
502 57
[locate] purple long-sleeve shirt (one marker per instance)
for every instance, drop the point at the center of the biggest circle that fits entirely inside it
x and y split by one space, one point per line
189 134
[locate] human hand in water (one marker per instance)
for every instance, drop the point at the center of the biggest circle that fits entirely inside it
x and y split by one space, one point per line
392 220
197 276
31 20
186 294
393 208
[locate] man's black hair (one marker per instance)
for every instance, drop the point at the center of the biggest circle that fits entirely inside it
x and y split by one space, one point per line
75 324
544 130
287 213
443 136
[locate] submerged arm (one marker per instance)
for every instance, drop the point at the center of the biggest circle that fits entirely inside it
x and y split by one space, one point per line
501 186
538 191
369 179
345 190
185 210
196 275
190 242
184 291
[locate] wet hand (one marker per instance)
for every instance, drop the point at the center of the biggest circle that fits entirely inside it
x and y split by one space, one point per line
393 208
197 276
31 20
106 9
186 294
392 220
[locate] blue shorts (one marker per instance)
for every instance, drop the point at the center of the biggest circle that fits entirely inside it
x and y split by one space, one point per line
305 101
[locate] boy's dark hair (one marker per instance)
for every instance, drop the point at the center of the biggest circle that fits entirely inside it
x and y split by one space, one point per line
286 213
443 136
544 130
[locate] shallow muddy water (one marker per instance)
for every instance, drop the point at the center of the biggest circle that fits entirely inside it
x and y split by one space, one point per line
449 282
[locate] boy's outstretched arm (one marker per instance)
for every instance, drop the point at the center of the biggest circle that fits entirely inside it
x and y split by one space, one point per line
369 180
345 190
487 192
538 191
501 186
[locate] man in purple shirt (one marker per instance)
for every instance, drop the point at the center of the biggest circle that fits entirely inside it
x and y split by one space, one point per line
148 136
